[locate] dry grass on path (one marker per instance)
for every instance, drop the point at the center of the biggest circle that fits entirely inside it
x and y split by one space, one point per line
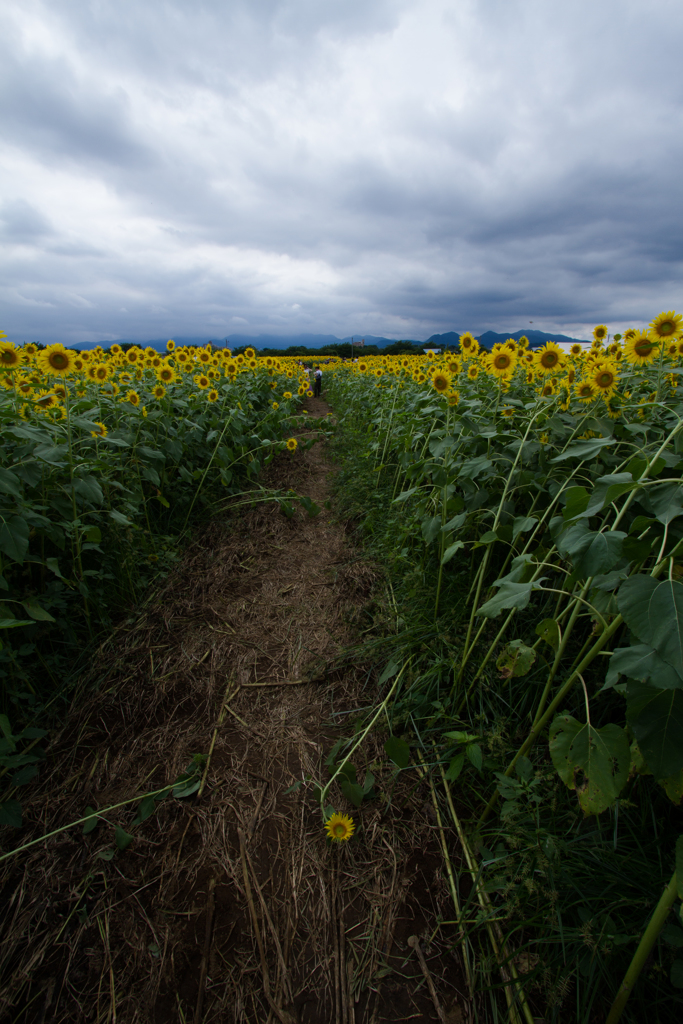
231 907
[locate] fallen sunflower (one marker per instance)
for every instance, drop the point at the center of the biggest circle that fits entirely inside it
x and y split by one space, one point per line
339 827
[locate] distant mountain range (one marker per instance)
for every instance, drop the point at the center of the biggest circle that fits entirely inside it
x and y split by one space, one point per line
450 339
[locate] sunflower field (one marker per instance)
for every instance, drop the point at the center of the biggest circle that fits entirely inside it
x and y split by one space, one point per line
108 459
528 506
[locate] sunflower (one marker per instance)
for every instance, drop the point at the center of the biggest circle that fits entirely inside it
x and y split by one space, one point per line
502 363
158 391
287 395
441 381
56 359
547 391
469 345
600 332
249 353
309 394
116 350
549 358
275 406
667 326
231 368
508 412
604 379
166 374
202 381
453 398
101 430
133 355
339 827
511 344
60 391
114 388
30 349
292 444
182 357
363 367
576 349
204 356
10 356
212 395
642 348
302 390
473 372
23 386
46 400
585 391
523 341
170 345
132 397
99 371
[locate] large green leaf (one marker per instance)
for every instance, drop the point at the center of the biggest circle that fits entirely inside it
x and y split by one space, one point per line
656 718
510 595
607 489
14 538
584 449
594 762
653 610
666 501
473 468
591 553
642 662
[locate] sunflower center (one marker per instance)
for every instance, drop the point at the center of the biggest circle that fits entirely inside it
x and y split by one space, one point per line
605 380
666 327
58 360
644 347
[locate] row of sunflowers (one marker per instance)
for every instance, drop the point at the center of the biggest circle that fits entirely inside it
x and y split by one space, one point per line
528 508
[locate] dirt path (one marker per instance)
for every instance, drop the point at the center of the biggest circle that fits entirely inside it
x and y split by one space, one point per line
231 906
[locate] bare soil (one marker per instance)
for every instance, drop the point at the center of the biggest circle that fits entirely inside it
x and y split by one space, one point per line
232 905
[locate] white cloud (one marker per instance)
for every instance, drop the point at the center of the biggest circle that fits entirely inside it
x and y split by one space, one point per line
396 168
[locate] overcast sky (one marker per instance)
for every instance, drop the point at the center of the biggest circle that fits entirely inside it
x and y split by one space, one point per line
386 167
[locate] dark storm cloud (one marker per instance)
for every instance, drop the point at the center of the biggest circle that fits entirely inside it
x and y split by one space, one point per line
390 168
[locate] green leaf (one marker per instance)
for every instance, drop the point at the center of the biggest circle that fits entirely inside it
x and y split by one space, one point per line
53 566
105 855
642 662
36 612
679 866
122 839
93 534
10 483
473 751
450 551
404 495
510 595
6 730
186 788
398 751
516 660
593 762
92 823
656 718
522 524
577 502
352 791
146 808
473 468
676 975
88 488
549 631
14 538
591 553
455 767
26 774
585 449
673 787
666 501
119 518
10 813
431 528
653 610
607 489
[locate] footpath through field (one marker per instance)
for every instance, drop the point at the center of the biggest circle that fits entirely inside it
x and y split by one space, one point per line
231 905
